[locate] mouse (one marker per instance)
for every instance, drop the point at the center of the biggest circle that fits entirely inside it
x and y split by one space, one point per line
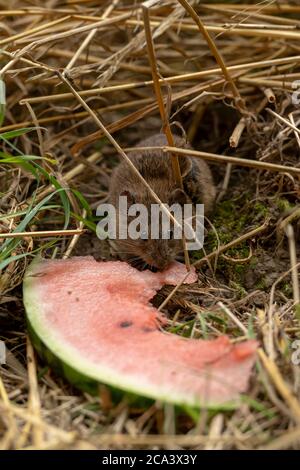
156 168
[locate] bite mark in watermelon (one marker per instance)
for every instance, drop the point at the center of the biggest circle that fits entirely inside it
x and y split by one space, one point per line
95 317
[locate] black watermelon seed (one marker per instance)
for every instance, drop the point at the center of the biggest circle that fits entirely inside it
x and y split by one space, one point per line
126 324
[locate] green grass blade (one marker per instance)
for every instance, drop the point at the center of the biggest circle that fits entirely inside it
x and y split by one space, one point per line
7 261
83 202
16 133
11 244
2 101
13 215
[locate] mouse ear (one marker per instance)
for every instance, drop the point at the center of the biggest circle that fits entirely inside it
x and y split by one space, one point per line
178 196
185 164
130 197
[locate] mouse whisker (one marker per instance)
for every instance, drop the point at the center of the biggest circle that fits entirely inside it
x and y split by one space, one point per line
125 252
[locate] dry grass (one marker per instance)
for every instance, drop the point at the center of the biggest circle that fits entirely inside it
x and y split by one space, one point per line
80 74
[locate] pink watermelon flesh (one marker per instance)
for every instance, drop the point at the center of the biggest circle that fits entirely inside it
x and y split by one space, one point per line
96 316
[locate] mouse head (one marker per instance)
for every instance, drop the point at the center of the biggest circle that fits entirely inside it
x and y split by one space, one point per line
152 240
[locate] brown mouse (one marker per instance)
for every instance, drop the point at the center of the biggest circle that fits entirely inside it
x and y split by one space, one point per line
156 168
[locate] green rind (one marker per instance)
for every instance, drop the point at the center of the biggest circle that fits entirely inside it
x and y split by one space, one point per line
79 380
62 368
76 377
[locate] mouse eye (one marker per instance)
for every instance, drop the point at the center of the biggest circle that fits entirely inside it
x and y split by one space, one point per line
144 235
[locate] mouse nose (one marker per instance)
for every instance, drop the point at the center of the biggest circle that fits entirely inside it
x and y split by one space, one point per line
160 257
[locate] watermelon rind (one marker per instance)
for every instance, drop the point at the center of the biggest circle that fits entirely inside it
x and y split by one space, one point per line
87 376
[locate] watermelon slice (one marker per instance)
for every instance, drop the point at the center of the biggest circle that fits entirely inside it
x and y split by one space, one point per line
95 320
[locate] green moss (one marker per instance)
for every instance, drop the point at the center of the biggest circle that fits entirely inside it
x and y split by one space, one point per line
261 284
261 209
287 289
253 262
231 219
238 288
236 274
